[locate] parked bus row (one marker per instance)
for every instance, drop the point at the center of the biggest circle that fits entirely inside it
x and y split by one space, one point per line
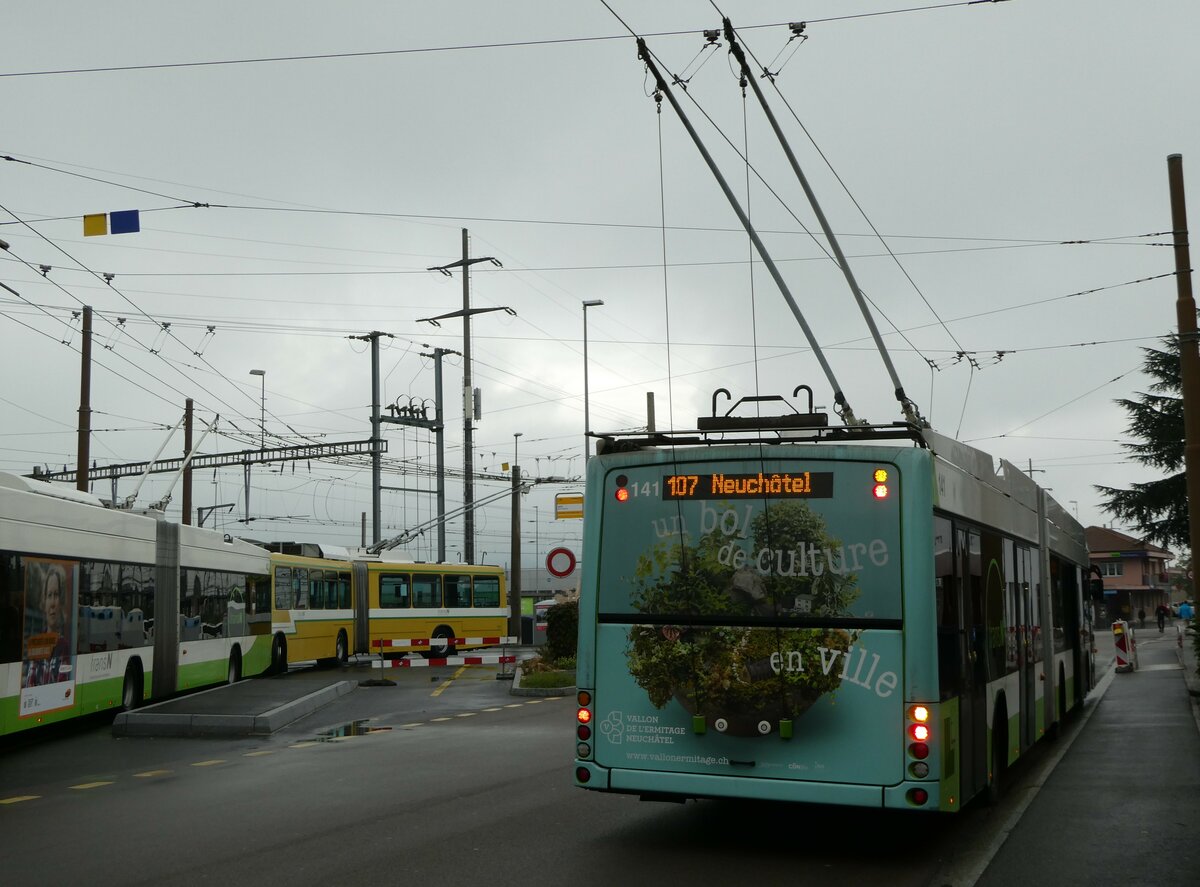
103 609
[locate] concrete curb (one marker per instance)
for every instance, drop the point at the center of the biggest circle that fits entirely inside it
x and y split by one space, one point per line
148 722
518 690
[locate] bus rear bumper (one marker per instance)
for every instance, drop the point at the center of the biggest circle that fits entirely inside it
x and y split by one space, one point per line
696 785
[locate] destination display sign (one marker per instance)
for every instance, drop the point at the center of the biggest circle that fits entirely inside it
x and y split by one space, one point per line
785 485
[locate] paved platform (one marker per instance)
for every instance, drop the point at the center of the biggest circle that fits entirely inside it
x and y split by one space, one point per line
254 707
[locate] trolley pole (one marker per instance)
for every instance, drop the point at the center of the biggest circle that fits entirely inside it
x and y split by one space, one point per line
1189 356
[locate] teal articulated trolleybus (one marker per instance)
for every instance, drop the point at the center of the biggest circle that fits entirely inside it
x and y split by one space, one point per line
874 616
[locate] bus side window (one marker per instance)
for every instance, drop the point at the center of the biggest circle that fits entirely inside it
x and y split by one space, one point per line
458 591
283 588
487 591
300 583
427 591
343 584
316 590
394 591
949 660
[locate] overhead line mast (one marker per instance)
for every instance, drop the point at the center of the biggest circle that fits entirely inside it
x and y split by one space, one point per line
841 405
911 412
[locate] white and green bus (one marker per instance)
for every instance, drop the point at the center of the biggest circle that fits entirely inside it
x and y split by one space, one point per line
873 616
103 609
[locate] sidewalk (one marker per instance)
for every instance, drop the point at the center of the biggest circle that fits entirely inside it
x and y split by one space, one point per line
1121 807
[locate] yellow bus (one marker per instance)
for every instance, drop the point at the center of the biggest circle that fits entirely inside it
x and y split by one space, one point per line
434 609
312 608
326 603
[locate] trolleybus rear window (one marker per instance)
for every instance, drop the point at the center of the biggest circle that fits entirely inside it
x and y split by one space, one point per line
751 540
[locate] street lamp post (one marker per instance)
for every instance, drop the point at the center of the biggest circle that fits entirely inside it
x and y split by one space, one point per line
587 423
262 415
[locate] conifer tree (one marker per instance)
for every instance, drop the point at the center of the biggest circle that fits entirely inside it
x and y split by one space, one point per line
1158 508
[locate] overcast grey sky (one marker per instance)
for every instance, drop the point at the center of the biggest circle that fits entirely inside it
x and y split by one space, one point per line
976 139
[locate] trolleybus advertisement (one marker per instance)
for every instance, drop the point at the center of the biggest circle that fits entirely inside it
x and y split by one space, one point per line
48 638
759 607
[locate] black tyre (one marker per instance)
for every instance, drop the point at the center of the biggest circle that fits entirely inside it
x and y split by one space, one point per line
341 649
995 789
440 650
234 673
279 663
131 688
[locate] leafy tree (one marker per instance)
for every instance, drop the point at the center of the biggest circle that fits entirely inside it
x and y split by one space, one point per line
1157 508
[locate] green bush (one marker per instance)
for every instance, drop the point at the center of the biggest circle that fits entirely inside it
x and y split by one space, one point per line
562 631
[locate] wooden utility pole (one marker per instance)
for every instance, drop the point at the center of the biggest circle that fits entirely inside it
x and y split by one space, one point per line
1189 357
83 457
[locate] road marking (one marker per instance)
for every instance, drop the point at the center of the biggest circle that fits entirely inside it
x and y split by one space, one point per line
513 705
150 773
255 754
497 708
207 763
418 724
535 701
86 785
437 720
449 681
17 799
467 714
303 744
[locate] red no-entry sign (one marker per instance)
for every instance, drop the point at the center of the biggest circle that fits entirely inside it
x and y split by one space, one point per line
560 562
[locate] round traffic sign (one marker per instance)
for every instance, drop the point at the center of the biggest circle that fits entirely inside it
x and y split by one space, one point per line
560 562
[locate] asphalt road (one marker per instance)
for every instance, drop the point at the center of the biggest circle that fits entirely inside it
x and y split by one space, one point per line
440 778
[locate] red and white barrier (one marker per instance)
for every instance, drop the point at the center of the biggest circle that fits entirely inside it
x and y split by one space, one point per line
1124 645
491 659
425 643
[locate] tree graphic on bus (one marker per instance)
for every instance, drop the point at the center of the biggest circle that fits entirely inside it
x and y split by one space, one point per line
779 567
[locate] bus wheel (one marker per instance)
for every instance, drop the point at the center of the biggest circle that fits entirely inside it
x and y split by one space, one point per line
234 674
440 651
995 789
131 689
341 649
279 664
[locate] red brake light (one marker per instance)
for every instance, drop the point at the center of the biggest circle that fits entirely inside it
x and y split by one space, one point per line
919 750
880 491
622 494
584 716
919 732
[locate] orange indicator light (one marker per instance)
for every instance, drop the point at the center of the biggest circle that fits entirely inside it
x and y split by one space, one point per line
622 495
583 716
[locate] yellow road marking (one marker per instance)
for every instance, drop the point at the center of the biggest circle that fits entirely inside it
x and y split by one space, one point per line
17 799
513 705
497 708
303 744
87 785
207 763
535 701
150 773
255 754
447 683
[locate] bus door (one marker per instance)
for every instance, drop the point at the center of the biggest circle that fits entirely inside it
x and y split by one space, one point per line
973 636
1027 584
360 592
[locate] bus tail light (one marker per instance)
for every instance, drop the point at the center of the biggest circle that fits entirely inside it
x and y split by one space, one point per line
918 717
917 796
583 730
880 488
